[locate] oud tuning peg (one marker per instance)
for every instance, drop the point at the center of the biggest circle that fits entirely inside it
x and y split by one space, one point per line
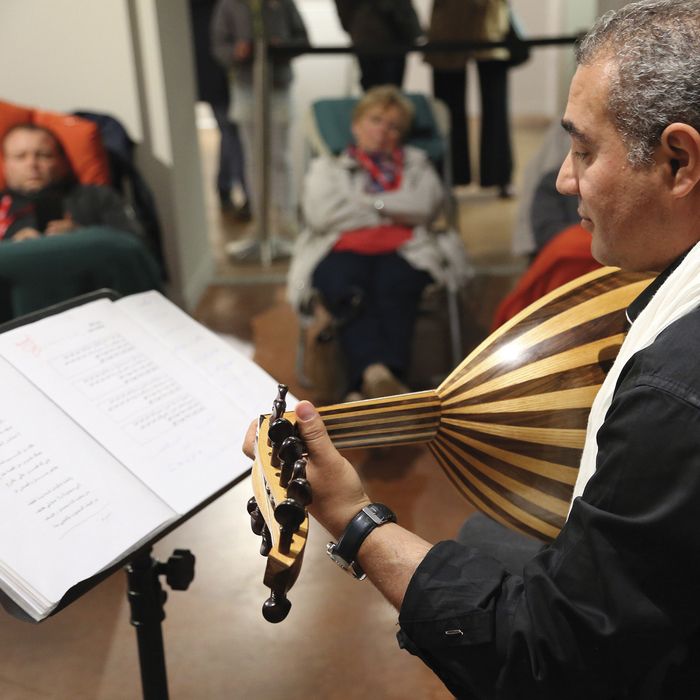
251 505
299 490
279 405
290 515
266 544
276 607
257 522
291 449
299 469
280 429
289 452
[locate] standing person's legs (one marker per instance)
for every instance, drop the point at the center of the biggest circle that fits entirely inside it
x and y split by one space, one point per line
381 70
241 113
231 163
451 87
496 156
280 165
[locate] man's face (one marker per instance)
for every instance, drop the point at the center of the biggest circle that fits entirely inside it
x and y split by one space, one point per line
623 207
31 160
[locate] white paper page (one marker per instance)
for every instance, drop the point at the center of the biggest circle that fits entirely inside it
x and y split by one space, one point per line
143 404
67 508
249 387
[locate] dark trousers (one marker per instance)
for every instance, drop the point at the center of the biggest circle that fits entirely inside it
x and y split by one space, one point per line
495 156
381 70
231 166
381 328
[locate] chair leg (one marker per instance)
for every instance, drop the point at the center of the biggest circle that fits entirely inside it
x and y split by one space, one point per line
300 362
455 324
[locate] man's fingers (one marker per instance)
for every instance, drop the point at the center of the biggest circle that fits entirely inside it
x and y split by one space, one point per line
312 430
249 440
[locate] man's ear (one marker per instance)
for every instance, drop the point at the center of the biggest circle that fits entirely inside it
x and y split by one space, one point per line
680 150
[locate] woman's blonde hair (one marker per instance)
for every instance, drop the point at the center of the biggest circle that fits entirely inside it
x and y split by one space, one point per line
386 96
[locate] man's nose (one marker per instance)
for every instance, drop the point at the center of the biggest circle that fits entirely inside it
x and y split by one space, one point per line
566 180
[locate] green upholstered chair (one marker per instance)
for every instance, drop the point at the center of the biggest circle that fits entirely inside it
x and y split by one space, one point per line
40 272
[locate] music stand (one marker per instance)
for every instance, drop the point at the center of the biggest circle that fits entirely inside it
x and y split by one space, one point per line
144 591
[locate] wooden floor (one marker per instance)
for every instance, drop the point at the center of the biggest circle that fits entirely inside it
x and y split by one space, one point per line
339 639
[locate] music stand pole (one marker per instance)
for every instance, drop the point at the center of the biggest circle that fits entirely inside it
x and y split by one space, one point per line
147 598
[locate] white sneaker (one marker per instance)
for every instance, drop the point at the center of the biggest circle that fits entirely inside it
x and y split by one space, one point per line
378 380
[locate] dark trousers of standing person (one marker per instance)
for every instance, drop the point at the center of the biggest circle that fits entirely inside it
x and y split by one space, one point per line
380 328
381 70
496 161
231 164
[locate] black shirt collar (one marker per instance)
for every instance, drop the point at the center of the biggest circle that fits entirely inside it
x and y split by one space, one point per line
639 304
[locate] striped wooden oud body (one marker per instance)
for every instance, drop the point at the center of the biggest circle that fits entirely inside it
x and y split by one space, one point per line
507 425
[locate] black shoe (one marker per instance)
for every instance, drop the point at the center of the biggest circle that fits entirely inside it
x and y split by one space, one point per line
226 203
243 213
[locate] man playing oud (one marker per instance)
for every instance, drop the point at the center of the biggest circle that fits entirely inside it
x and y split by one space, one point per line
611 609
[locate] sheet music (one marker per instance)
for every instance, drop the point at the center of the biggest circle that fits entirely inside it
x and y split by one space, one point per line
145 405
245 384
68 508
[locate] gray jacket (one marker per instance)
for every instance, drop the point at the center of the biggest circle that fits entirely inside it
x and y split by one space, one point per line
335 201
233 21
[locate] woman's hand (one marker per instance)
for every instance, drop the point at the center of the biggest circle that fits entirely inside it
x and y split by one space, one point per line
25 234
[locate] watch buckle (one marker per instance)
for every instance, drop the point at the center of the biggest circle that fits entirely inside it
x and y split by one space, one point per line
351 567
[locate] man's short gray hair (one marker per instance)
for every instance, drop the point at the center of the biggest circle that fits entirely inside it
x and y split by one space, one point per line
655 46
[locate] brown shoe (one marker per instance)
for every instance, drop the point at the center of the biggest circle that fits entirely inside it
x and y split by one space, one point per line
378 380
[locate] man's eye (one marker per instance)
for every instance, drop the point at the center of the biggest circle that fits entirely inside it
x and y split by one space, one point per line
579 155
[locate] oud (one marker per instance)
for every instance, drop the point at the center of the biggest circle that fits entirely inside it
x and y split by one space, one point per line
507 425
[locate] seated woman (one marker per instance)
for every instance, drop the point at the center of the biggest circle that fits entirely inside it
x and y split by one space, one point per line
366 247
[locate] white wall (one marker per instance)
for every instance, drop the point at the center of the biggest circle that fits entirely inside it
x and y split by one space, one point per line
69 55
131 59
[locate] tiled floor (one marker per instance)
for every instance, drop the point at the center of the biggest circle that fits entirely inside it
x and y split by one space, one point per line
339 640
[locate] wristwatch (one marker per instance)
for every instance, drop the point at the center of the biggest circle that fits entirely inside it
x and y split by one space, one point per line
344 552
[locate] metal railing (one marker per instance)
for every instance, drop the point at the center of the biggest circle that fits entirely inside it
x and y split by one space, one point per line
264 245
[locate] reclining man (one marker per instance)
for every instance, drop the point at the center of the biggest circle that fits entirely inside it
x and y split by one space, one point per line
43 196
611 608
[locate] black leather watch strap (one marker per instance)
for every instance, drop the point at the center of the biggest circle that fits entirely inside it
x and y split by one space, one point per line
344 552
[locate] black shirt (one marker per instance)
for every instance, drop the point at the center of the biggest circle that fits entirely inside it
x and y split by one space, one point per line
611 609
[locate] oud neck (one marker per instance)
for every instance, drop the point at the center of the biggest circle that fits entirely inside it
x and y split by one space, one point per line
391 420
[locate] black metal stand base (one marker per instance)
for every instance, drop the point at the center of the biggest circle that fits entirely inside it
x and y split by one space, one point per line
147 599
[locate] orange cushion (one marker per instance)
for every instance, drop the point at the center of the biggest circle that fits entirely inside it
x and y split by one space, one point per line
564 258
80 138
